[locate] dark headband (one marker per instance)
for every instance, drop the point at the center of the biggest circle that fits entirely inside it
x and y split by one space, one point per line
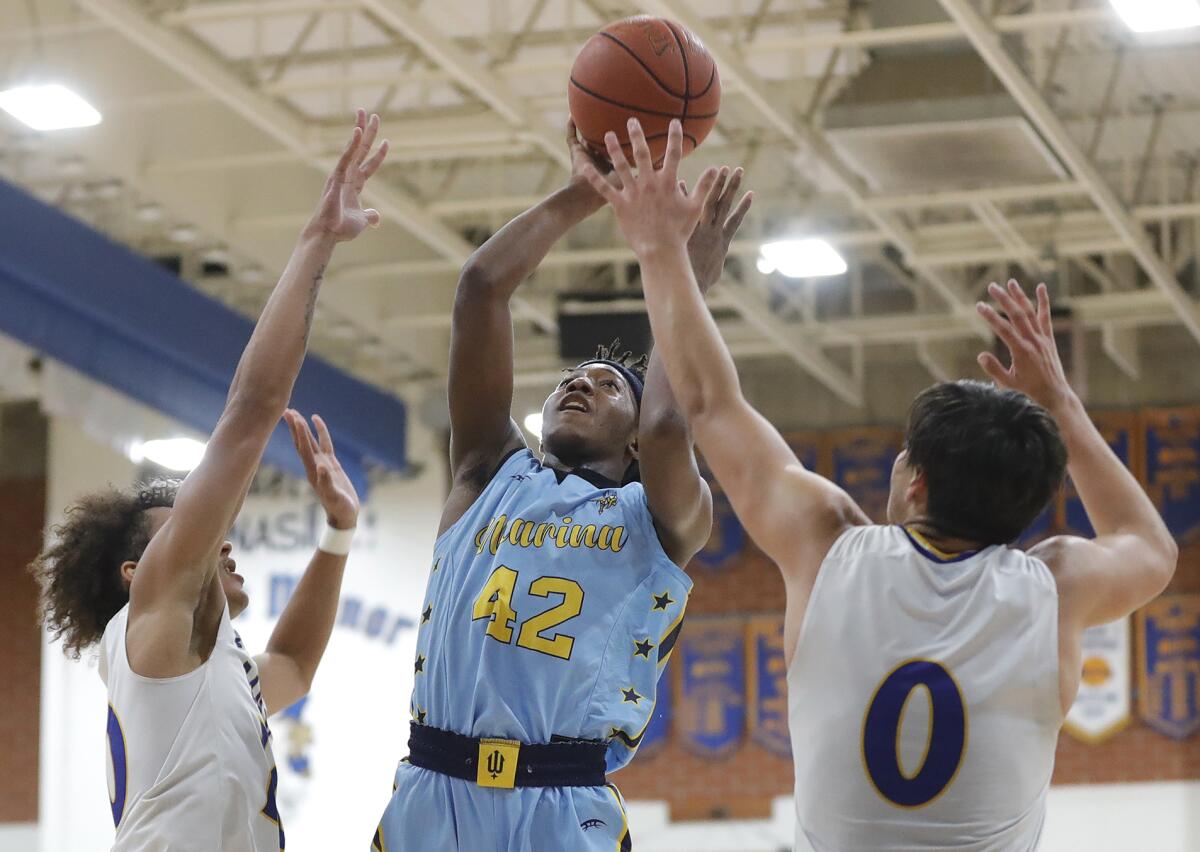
635 381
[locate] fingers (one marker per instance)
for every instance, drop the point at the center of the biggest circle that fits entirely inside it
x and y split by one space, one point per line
670 166
300 439
1016 307
992 366
712 201
373 217
326 440
343 166
704 186
617 156
734 222
730 193
606 190
1045 319
641 149
572 133
369 134
372 165
1002 327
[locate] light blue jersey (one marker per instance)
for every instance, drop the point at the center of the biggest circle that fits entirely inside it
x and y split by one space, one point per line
551 612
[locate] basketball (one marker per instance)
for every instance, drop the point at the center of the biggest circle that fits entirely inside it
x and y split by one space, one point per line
647 68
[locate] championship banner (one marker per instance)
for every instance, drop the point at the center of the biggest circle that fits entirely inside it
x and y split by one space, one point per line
728 538
659 726
1173 467
712 700
1121 429
1168 631
1102 707
862 465
767 711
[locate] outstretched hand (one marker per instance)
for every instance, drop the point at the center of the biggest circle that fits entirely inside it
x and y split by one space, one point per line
329 482
340 213
654 208
709 243
1036 368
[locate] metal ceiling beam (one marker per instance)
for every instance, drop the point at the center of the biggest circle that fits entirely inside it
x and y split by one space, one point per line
478 80
988 45
808 140
195 64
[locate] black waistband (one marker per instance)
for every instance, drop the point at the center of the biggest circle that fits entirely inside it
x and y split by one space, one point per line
564 763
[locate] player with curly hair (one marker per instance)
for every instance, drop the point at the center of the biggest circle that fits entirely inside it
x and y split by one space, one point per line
149 576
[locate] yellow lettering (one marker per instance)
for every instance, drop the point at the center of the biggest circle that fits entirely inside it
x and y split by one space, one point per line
576 535
514 532
618 539
526 533
605 536
563 532
539 537
498 532
479 536
589 536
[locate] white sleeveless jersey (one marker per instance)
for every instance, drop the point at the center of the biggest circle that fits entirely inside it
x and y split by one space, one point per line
896 632
190 767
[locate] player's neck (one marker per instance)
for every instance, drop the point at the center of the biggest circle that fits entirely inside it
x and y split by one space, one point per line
610 468
942 541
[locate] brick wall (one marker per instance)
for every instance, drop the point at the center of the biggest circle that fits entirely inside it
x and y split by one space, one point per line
22 512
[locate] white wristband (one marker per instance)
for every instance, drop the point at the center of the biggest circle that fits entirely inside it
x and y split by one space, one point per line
336 542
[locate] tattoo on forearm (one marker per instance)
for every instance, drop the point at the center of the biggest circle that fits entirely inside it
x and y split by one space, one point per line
312 301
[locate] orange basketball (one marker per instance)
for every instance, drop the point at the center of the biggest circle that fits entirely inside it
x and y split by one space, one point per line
647 68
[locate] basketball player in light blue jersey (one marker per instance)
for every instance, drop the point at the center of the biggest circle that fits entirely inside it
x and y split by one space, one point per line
556 588
938 603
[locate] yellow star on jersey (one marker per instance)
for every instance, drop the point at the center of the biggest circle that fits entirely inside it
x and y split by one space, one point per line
642 649
662 601
631 696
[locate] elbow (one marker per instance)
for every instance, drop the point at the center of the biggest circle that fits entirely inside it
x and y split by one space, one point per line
477 278
1168 557
663 425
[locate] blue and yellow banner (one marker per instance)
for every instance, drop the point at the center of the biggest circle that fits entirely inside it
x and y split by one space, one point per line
1122 430
712 684
862 461
728 538
767 709
1168 632
1173 467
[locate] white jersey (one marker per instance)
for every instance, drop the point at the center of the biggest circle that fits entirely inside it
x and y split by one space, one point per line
893 629
190 767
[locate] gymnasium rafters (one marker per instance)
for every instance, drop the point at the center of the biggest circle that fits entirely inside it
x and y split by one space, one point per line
938 144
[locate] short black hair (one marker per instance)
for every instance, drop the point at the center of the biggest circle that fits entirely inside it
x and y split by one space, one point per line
80 571
992 459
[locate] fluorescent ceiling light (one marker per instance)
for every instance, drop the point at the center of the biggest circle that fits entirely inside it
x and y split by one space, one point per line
178 454
1148 16
533 424
811 258
51 107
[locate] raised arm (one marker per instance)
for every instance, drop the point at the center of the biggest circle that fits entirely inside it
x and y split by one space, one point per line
679 498
181 558
1132 556
792 514
481 339
300 636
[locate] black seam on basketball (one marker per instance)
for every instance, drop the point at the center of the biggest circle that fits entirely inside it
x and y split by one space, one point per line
646 67
617 103
712 78
687 77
